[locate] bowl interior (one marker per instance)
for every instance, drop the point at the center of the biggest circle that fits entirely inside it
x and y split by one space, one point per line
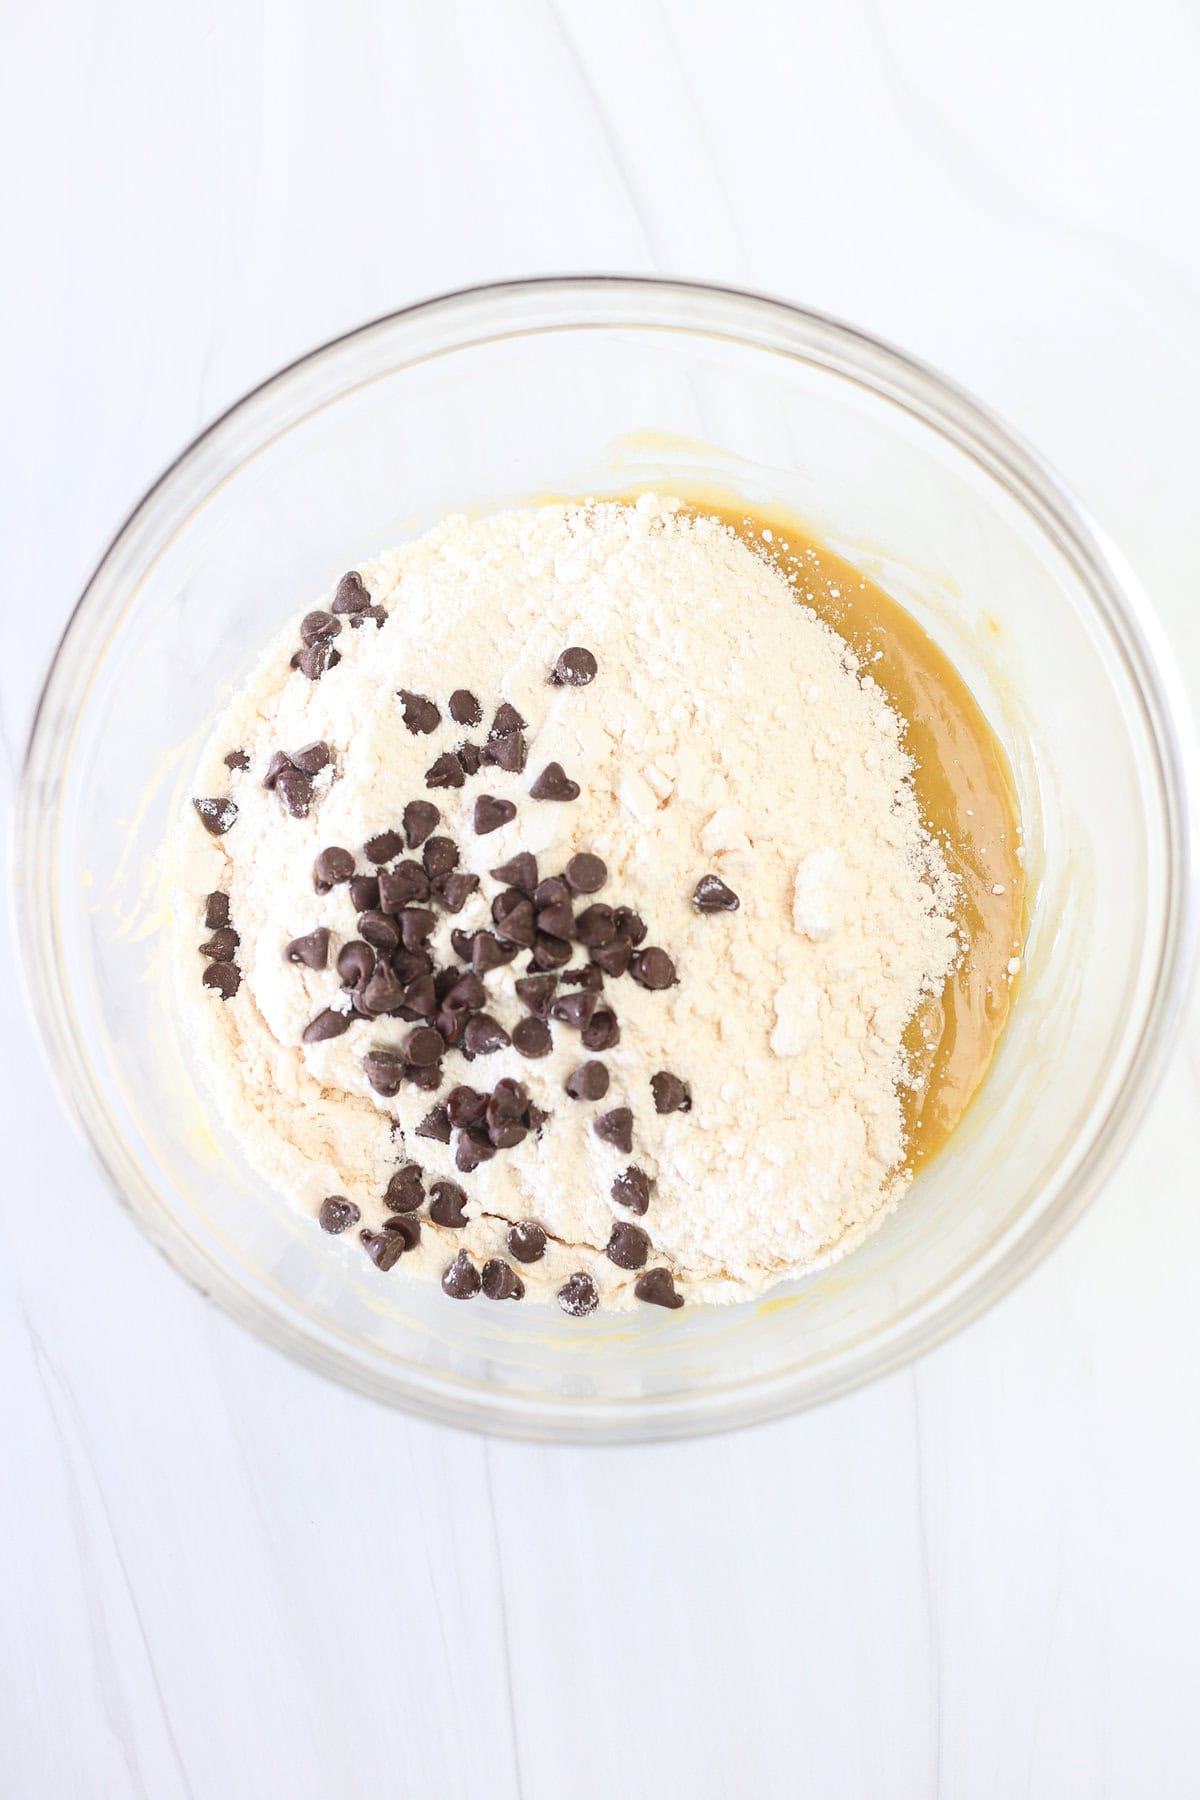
565 388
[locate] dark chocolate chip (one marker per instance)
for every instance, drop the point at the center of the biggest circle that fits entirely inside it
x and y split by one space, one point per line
629 924
380 930
596 926
420 818
337 1213
554 784
421 714
657 1287
509 1099
588 1082
405 1191
488 952
526 1241
446 772
385 1248
439 856
226 977
501 1281
590 978
352 595
465 1106
356 962
420 997
670 1094
601 1031
615 1128
507 753
423 1047
632 1189
574 1009
447 1204
491 814
629 1245
471 1150
466 994
409 1229
295 791
470 757
384 992
506 721
586 873
550 952
385 1071
712 895
327 1024
384 847
280 760
428 1079
314 661
435 1125
364 893
613 958
318 627
553 891
455 889
460 1279
556 921
237 759
653 968
514 923
401 886
416 923
221 945
332 866
216 815
312 758
375 613
216 910
485 1035
312 949
531 1037
520 871
577 1296
464 707
536 992
574 668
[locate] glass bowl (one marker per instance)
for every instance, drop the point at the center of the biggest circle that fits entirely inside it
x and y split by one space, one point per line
586 386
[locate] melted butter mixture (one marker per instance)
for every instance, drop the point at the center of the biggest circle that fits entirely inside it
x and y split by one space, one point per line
966 797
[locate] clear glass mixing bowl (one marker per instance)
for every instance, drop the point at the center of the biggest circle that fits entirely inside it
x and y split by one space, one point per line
594 385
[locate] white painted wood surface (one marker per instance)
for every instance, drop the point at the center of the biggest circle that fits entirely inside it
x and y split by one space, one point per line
225 1579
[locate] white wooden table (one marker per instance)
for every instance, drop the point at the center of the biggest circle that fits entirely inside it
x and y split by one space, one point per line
225 1579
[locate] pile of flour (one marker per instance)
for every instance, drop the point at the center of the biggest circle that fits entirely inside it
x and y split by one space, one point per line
727 732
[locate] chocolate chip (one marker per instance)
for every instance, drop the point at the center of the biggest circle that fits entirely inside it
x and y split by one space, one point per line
428 1079
526 1241
408 1229
586 873
554 784
460 1279
314 661
501 1281
653 968
380 930
488 952
531 1037
216 910
446 772
237 759
613 958
447 1205
318 627
470 757
404 1189
506 721
588 1082
439 856
416 923
337 1213
629 924
574 668
465 1106
423 1047
280 760
221 945
355 962
384 847
507 753
385 1070
491 814
596 926
557 921
312 758
514 923
216 816
657 1286
574 1009
485 1035
455 889
520 871
384 992
632 1189
399 887
421 714
464 707
226 977
629 1245
376 613
435 1125
327 1024
577 1296
550 952
712 895
589 977
352 595
616 1128
420 997
601 1031
670 1094
311 950
332 866
364 893
420 818
466 994
385 1248
471 1150
507 1110
295 791
536 992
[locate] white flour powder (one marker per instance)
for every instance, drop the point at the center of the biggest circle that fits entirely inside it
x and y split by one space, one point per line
727 732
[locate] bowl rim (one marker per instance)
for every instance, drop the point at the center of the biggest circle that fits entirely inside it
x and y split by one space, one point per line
784 327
